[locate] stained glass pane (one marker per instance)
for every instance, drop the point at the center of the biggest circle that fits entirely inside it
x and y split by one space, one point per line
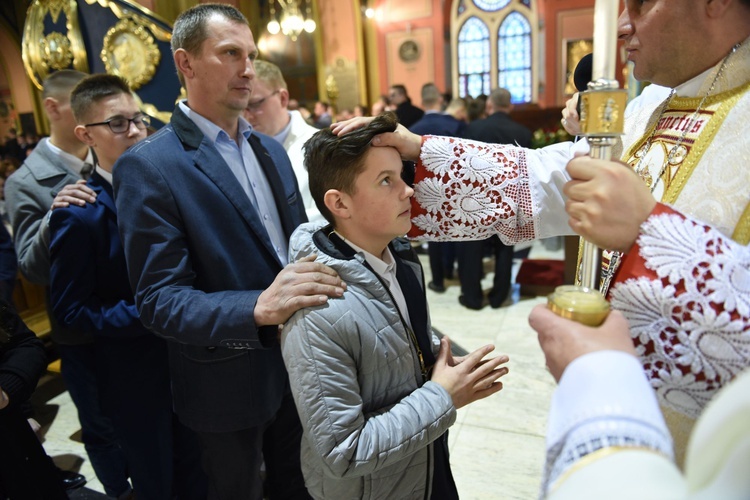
491 5
461 7
514 57
473 57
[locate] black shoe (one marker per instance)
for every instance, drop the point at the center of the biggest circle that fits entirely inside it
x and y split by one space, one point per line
71 480
435 287
495 301
466 304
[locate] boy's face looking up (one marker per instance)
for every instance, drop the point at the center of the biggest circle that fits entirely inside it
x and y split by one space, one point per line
379 207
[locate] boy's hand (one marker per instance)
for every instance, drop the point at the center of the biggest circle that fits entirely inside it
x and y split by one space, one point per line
4 401
472 379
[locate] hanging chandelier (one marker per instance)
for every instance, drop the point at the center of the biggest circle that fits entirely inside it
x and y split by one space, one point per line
291 21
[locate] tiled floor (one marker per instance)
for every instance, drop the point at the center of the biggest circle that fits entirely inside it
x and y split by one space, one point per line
497 444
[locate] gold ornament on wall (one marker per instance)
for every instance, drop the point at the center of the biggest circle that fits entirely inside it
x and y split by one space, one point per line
44 54
55 49
129 51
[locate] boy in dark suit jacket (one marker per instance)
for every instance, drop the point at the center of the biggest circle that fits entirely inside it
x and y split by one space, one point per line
89 290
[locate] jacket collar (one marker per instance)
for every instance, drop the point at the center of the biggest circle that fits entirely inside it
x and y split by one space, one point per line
103 189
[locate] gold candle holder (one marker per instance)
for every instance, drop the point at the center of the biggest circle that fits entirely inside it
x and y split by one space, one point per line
578 303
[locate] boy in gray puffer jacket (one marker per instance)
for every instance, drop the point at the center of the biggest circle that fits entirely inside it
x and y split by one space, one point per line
374 393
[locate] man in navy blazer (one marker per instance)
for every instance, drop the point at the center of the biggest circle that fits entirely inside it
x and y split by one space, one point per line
206 209
90 291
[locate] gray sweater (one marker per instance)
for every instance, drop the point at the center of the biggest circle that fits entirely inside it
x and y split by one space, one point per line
369 420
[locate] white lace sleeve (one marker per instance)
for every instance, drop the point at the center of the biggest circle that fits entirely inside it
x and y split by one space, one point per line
472 190
603 401
690 319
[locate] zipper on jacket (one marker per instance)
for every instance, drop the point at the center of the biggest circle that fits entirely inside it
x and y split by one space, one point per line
414 341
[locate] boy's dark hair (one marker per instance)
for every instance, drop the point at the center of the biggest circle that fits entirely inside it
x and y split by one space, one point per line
335 161
92 89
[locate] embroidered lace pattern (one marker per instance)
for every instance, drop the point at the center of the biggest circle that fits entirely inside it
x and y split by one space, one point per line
597 434
474 190
691 325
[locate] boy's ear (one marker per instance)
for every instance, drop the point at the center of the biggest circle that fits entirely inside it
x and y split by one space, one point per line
82 133
337 203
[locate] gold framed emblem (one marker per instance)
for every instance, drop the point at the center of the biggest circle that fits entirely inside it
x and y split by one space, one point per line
129 51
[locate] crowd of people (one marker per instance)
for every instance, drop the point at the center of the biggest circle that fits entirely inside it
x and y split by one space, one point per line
238 314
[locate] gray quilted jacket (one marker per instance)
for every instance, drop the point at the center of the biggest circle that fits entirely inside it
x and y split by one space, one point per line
369 420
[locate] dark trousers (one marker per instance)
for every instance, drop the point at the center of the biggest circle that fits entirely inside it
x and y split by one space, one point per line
470 270
442 257
232 460
97 432
163 455
26 472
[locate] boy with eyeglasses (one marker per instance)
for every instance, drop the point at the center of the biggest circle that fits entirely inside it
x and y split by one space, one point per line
90 290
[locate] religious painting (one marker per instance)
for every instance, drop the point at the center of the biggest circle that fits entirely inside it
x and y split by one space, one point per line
573 52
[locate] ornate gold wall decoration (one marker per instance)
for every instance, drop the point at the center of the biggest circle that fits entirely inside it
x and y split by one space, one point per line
42 54
55 49
133 13
129 51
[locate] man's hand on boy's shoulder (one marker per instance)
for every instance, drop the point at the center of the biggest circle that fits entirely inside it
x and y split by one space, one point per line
304 283
468 378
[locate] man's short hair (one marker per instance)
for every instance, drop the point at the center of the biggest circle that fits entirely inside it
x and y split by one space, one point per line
191 26
60 83
334 161
401 89
270 74
93 89
500 98
455 105
430 94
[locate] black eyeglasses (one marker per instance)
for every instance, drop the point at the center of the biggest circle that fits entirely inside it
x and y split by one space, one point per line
120 124
254 106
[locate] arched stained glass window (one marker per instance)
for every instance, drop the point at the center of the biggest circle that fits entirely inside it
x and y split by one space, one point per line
473 58
491 5
514 57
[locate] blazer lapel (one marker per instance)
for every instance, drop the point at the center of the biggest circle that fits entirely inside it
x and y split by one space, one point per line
104 192
277 187
209 161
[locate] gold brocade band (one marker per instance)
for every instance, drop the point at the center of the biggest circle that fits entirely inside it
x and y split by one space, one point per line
587 460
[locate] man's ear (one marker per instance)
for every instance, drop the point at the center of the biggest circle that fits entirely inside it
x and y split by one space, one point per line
82 133
717 8
337 203
51 107
284 96
182 63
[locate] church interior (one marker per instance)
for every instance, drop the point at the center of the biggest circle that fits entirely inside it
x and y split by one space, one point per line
346 53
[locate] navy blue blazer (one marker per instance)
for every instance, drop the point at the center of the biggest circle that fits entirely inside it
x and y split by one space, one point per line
198 258
89 286
439 124
499 128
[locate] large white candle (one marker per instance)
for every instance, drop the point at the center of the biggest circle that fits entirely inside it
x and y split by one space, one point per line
605 39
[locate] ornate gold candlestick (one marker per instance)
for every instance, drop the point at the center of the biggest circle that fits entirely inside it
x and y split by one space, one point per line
601 118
